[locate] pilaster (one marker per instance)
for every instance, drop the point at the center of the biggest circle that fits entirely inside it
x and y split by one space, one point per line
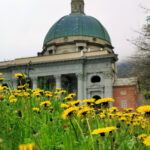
80 86
58 81
108 85
35 82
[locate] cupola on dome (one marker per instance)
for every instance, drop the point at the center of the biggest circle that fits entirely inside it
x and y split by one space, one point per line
77 24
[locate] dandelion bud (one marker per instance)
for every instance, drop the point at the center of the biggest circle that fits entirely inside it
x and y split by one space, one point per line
19 113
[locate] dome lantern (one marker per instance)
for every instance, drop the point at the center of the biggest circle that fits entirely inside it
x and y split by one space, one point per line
77 7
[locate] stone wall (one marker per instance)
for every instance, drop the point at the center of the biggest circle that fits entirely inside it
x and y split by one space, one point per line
84 69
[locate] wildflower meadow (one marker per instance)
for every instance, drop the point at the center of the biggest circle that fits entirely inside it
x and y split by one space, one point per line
36 119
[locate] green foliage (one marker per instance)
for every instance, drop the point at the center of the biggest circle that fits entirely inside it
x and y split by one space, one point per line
20 124
141 58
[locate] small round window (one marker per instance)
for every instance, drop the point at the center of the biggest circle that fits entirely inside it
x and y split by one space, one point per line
96 97
95 79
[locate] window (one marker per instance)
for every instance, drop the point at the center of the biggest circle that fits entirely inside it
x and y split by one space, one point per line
124 104
94 39
50 52
123 92
65 39
80 48
95 79
96 97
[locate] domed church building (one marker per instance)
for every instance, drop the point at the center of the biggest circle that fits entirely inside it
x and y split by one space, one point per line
77 55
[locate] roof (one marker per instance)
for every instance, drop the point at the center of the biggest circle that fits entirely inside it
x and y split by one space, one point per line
126 81
77 25
52 58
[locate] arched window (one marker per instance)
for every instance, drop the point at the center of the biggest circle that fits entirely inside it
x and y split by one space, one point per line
50 52
95 79
96 97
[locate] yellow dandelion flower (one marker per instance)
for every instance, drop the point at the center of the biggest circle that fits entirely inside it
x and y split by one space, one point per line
72 94
68 112
111 115
143 109
77 102
84 111
68 98
1 74
45 103
56 93
142 136
104 100
1 88
123 119
113 109
143 126
11 96
26 94
131 132
36 93
102 115
63 92
128 109
92 100
103 130
51 108
2 97
119 114
20 75
13 100
48 95
147 141
1 79
5 88
64 105
128 122
140 118
21 86
27 146
35 109
136 123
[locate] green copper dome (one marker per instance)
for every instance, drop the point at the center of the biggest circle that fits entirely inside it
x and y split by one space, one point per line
77 25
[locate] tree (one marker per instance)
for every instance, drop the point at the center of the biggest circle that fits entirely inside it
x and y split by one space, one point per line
141 58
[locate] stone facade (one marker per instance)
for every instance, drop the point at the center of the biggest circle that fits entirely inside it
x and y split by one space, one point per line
84 68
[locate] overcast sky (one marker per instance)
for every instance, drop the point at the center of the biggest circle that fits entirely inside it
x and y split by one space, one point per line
24 23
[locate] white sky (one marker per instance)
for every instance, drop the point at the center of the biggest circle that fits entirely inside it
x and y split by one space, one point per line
24 23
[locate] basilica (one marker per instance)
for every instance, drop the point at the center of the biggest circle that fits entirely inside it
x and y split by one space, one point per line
77 55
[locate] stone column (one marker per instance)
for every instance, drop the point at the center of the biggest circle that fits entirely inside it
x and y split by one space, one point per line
108 86
34 82
58 81
80 86
15 83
